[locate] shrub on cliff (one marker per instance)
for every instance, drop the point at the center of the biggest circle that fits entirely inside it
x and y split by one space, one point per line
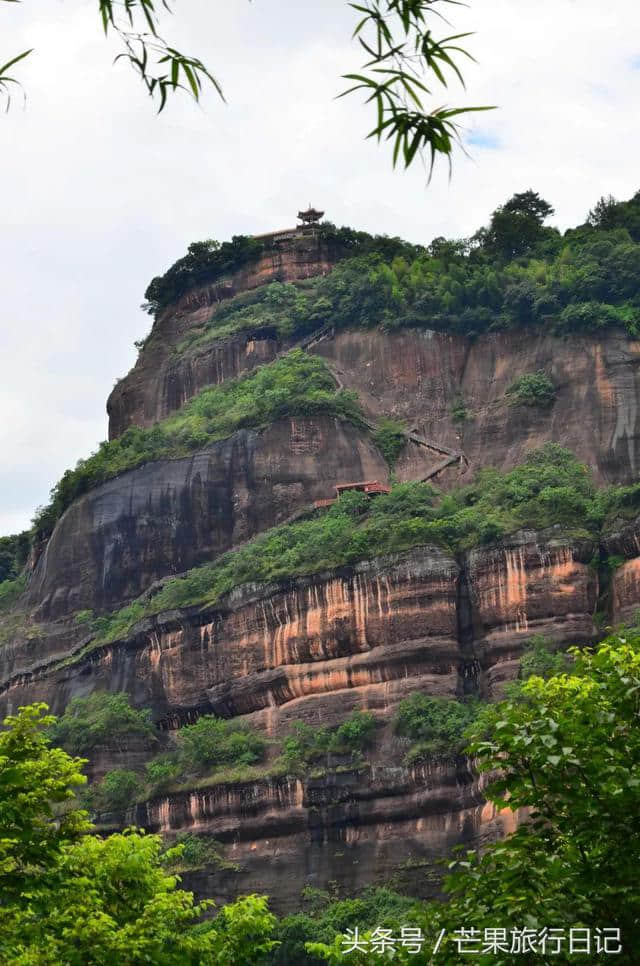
101 717
116 792
436 725
196 852
306 745
390 438
211 742
532 389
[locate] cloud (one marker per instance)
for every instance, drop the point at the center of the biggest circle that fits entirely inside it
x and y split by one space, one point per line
100 194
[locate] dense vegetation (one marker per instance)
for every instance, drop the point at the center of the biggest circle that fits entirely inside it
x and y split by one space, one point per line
101 717
516 272
296 384
435 725
208 261
550 488
323 916
584 281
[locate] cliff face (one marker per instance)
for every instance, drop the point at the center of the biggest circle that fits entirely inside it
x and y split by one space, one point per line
314 648
419 375
168 516
163 380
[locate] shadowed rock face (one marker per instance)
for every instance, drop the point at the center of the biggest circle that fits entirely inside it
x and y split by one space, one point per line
385 824
168 516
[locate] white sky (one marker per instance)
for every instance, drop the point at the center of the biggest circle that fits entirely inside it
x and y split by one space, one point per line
98 194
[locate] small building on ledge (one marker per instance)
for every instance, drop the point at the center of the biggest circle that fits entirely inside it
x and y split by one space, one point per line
311 216
310 220
368 487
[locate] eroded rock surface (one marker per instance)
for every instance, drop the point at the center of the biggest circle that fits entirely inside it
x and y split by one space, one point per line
168 516
317 647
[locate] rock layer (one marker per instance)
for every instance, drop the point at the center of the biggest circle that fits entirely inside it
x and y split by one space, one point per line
417 376
162 380
168 516
315 648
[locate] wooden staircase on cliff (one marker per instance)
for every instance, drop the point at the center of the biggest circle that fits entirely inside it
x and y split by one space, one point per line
451 455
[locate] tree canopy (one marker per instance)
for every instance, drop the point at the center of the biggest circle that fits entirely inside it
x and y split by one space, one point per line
71 897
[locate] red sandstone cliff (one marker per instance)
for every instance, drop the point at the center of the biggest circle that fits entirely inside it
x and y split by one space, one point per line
315 648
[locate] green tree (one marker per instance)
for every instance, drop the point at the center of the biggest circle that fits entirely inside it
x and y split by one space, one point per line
69 897
100 717
35 780
516 226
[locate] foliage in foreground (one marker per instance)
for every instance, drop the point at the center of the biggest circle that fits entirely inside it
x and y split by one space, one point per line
71 897
567 750
323 917
550 488
296 384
